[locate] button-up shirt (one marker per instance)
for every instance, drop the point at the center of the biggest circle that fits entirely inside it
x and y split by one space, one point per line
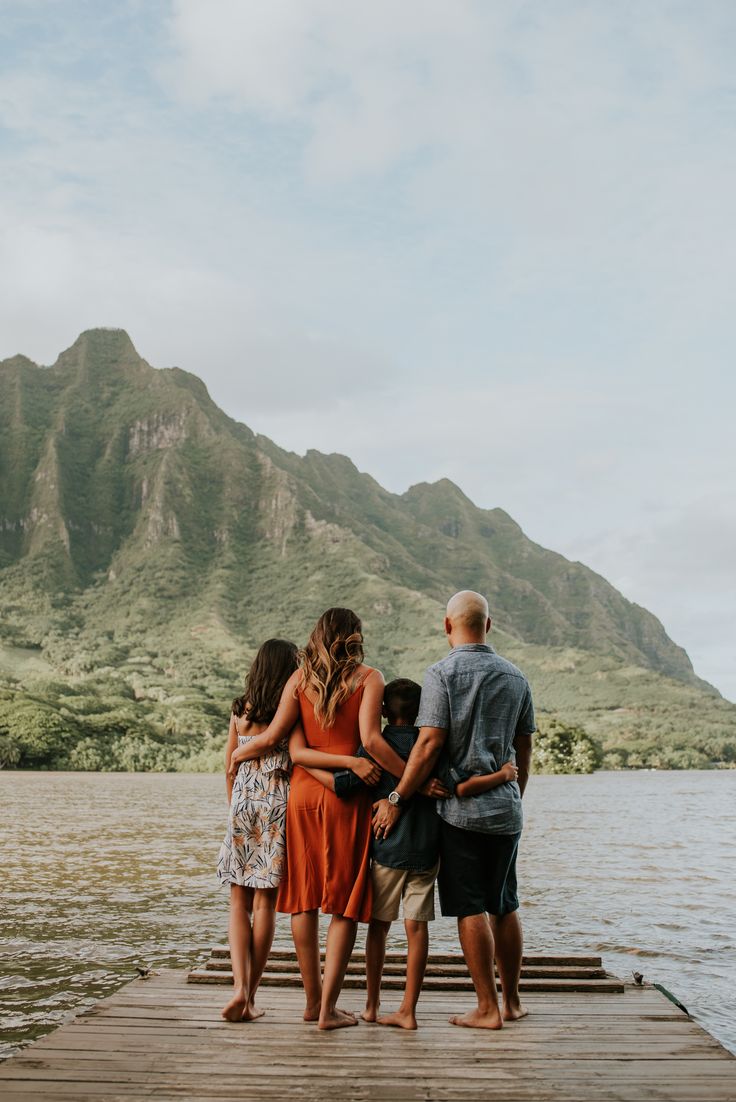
483 702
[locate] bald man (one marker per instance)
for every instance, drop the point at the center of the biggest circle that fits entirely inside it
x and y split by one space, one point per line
476 709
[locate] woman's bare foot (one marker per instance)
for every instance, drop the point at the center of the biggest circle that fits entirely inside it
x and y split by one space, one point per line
311 1013
336 1019
370 1014
404 1019
252 1012
476 1019
513 1011
236 1008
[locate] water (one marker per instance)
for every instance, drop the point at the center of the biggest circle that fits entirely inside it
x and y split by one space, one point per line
102 872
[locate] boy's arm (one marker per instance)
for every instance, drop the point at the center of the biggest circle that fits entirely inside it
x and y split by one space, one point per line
473 786
324 776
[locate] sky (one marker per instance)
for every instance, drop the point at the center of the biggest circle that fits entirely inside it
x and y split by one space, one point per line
488 241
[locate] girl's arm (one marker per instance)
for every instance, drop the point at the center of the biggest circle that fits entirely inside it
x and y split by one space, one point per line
301 754
473 786
286 716
369 720
324 776
232 742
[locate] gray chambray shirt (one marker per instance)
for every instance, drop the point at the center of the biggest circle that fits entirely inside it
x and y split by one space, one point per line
483 702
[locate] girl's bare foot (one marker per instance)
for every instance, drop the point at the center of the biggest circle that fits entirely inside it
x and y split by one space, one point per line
252 1013
311 1013
513 1011
404 1019
235 1009
477 1019
370 1014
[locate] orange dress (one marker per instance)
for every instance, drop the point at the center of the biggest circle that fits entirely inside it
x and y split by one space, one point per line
328 840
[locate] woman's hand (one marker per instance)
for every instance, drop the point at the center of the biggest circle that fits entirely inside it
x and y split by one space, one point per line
235 759
367 770
435 788
509 772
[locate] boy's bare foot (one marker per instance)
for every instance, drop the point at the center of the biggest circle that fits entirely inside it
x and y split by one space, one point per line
252 1013
336 1020
235 1009
404 1019
475 1019
370 1014
311 1013
513 1011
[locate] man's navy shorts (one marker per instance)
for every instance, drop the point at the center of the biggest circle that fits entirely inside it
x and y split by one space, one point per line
477 872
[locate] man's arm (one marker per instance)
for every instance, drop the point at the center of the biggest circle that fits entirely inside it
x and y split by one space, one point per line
523 748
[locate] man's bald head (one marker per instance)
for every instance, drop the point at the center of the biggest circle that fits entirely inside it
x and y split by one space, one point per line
467 613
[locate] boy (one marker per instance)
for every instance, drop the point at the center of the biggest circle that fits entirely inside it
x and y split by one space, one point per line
405 865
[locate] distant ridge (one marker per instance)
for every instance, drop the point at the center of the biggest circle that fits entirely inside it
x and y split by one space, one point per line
144 532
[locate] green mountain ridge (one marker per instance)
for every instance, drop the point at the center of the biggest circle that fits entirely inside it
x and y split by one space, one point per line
149 542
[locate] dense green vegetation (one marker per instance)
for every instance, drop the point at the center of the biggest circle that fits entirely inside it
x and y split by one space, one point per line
148 543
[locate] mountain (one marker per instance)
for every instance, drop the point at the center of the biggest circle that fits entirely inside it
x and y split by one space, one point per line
148 542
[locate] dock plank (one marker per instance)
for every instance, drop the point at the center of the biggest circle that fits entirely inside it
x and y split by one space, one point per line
162 1039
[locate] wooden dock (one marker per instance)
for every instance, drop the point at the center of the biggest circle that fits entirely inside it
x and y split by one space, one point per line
162 1038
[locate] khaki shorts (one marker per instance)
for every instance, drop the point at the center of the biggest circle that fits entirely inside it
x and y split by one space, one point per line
391 886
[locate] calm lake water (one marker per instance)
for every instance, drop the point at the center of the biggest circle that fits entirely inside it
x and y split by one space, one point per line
101 872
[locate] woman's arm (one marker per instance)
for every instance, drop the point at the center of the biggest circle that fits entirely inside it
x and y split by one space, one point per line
369 720
473 786
324 776
232 742
301 754
286 716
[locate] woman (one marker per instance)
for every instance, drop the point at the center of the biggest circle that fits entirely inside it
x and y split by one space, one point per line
252 854
338 700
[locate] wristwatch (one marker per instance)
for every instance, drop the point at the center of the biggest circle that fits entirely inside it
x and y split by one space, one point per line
395 799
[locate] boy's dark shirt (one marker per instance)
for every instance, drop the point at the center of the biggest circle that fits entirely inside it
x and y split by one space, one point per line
414 842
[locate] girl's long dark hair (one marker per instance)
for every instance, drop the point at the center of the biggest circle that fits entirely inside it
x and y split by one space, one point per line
271 669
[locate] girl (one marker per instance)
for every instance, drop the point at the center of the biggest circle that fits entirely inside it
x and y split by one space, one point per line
252 855
331 705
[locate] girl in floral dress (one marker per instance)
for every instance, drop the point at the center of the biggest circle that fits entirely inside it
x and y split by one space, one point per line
251 859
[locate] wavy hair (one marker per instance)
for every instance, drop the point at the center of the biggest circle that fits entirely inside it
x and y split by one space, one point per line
271 669
333 653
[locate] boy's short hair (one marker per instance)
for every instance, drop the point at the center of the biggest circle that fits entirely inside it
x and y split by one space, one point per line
401 700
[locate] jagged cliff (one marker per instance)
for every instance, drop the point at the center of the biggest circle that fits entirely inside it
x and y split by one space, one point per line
140 524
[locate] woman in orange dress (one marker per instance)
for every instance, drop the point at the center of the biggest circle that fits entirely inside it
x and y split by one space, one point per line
330 705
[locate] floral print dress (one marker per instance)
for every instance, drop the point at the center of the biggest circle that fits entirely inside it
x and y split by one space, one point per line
253 851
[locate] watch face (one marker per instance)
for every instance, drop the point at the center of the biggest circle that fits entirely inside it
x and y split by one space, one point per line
393 798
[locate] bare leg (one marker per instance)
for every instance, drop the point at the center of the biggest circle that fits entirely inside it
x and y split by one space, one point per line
340 942
264 926
509 949
476 940
239 938
305 932
375 955
417 940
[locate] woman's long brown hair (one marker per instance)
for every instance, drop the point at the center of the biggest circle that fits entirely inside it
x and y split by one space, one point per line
272 667
328 662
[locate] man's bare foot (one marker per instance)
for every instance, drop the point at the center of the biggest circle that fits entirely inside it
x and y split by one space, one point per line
235 1009
337 1019
311 1013
252 1013
477 1020
370 1014
513 1011
404 1019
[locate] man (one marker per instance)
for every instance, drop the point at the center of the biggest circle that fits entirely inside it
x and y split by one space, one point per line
477 707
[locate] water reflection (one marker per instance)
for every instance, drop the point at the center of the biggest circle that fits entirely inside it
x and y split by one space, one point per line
102 872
